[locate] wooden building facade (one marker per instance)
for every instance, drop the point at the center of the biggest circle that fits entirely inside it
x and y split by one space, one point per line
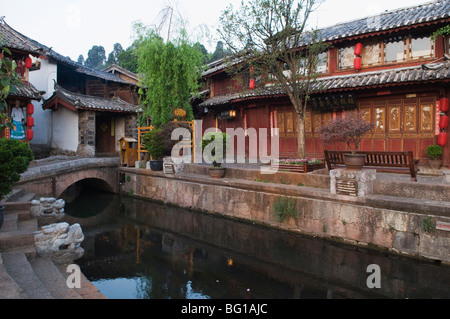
400 84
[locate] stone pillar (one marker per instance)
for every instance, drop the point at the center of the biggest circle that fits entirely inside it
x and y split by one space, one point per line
352 182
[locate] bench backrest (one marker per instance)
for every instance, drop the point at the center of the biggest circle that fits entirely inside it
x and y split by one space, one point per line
391 159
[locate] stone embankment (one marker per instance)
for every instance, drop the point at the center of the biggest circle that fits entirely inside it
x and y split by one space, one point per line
399 216
23 273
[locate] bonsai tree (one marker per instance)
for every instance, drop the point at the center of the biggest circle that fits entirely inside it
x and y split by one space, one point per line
215 147
350 129
15 157
434 151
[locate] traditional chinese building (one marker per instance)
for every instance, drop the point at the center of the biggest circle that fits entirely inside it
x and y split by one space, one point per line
20 109
84 111
386 66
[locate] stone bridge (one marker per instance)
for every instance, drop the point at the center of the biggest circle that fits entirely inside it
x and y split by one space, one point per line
52 177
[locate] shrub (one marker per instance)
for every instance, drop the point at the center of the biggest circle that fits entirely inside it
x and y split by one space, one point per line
211 154
159 143
15 157
434 151
284 207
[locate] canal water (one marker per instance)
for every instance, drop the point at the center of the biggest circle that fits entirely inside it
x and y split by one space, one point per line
137 249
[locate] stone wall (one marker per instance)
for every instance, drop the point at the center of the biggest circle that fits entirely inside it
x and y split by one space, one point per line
86 135
374 221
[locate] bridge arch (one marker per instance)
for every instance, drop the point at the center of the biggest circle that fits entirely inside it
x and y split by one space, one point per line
104 179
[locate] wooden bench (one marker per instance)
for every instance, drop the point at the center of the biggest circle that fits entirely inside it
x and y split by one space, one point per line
395 162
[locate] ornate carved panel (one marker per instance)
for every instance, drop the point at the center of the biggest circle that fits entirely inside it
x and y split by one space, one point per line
380 119
426 118
394 119
410 119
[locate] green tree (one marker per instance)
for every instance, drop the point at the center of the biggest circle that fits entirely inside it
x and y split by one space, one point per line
128 59
96 57
219 52
9 82
169 72
271 36
80 59
113 57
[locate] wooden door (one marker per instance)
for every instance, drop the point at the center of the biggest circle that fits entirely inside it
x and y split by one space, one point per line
105 135
400 124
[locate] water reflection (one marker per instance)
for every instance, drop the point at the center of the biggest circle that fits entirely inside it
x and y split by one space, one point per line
141 250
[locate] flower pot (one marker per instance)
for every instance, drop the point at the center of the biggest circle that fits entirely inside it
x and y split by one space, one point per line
217 172
157 166
354 161
435 163
2 209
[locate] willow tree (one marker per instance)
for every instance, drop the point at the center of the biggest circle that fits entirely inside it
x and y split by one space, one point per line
169 75
272 38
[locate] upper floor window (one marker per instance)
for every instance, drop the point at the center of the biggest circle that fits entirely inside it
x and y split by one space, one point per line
388 51
447 45
421 47
322 66
394 50
346 57
371 54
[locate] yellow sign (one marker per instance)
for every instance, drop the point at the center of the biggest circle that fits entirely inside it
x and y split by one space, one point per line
180 113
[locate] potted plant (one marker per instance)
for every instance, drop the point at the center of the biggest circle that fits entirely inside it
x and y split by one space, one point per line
434 152
159 143
215 146
15 157
350 129
154 145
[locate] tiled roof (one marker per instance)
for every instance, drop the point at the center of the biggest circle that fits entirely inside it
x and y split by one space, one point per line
400 76
28 91
18 41
93 103
15 40
404 17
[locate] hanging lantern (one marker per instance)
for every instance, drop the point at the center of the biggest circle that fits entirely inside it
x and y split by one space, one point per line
252 84
443 123
358 63
444 105
28 62
30 109
30 134
30 121
442 139
358 49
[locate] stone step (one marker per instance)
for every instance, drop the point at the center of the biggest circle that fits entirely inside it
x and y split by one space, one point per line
25 198
52 278
16 240
8 287
19 268
15 194
87 290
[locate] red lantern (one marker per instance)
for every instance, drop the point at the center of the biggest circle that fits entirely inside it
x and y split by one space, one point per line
443 123
30 134
442 139
444 105
30 109
28 62
252 84
358 49
30 121
358 63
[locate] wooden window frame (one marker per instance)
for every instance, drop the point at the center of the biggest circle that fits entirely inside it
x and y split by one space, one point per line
407 46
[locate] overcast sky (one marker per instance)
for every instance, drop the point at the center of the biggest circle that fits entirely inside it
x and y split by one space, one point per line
73 27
